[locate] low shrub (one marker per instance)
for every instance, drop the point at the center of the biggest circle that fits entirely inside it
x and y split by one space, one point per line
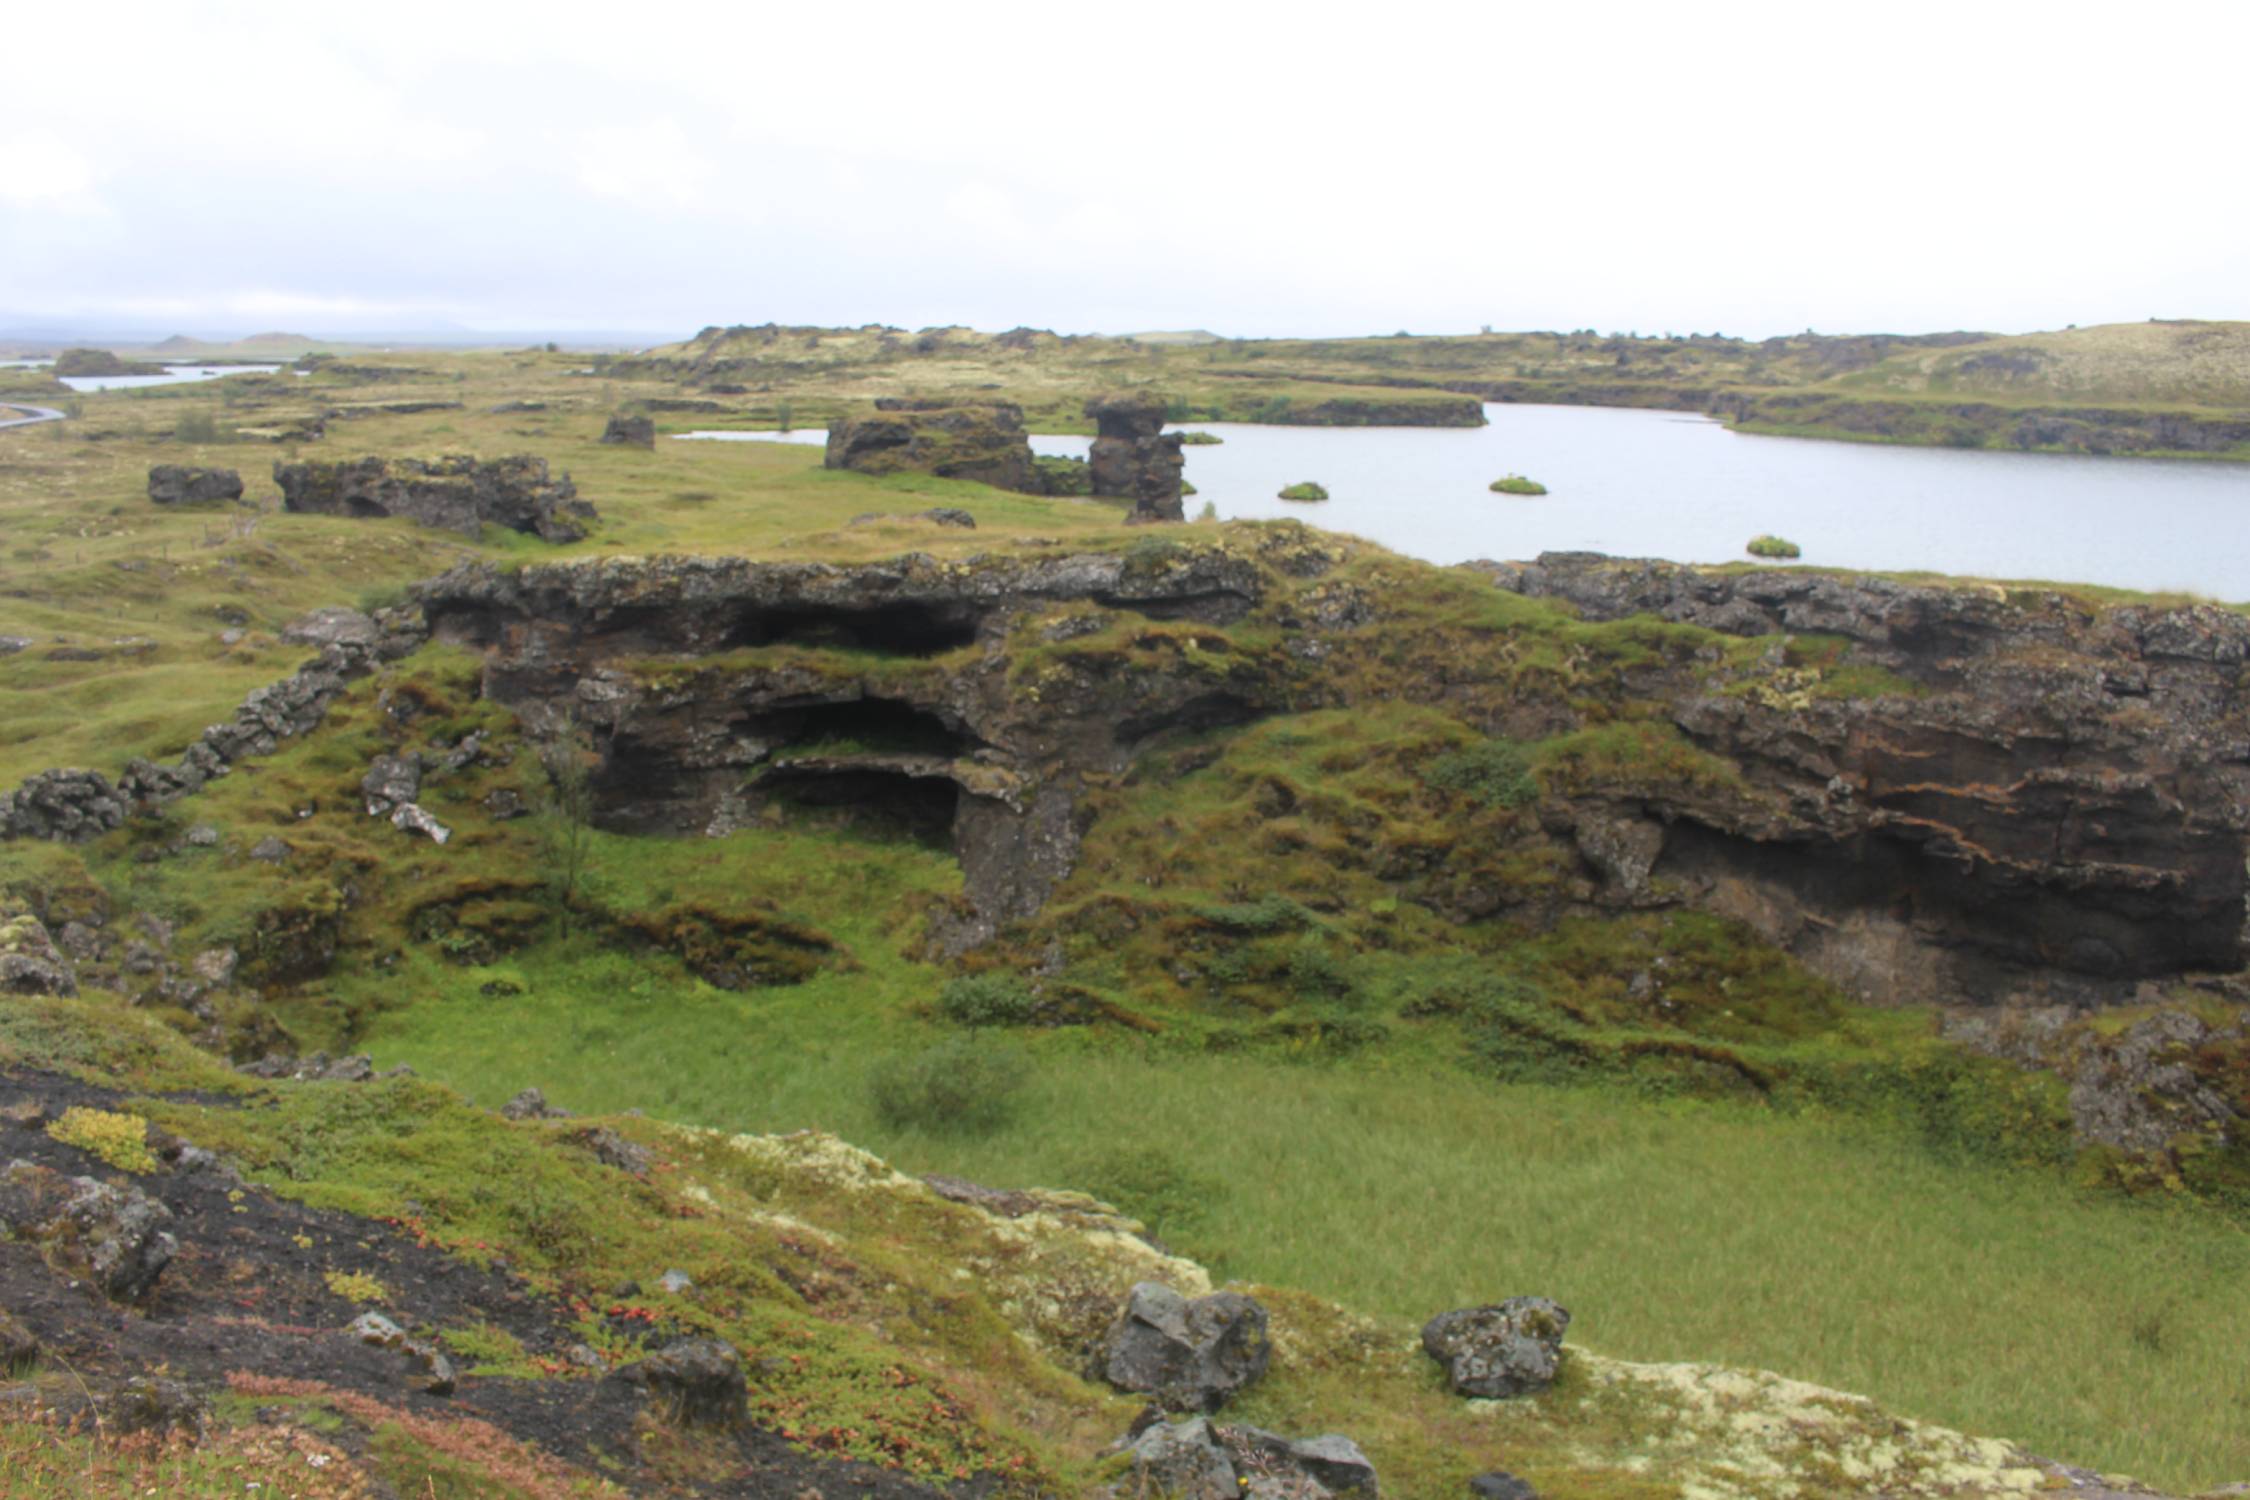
1495 773
118 1139
1306 491
964 1084
1774 546
987 1000
1266 914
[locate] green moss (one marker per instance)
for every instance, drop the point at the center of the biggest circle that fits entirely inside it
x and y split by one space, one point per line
1773 546
1516 484
1305 491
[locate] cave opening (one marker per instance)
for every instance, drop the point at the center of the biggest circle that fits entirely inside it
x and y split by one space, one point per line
886 629
865 726
871 802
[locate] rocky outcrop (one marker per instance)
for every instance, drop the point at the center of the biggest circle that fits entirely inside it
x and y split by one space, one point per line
30 963
455 493
73 805
178 484
1986 424
985 443
699 731
1133 458
1988 796
630 432
1187 1354
1199 1460
116 1237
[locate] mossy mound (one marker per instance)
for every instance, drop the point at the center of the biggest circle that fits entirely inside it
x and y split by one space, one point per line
1516 484
1773 546
1306 491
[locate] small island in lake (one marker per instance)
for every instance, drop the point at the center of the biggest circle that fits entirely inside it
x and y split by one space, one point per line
1306 491
1516 484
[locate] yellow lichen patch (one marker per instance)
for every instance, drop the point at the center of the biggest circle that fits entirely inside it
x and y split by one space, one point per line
121 1140
355 1286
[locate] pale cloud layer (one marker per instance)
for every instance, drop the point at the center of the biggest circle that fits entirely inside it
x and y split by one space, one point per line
1247 168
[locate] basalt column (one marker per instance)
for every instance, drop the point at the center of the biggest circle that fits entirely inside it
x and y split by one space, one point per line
1133 458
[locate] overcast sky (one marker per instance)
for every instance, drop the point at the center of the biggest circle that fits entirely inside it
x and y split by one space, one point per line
1252 169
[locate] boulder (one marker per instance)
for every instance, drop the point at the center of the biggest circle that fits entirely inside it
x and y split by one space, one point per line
531 1104
180 484
433 1371
613 1150
1132 458
1186 1355
331 625
455 493
409 817
112 1236
637 432
698 1382
1503 1349
30 963
1331 1461
1184 1460
1498 1484
985 443
391 781
154 1405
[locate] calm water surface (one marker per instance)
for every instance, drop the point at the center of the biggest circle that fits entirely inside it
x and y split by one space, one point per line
173 375
1668 484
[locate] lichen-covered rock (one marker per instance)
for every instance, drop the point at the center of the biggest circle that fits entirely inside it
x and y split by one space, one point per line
1188 1355
112 1235
1505 1349
178 484
1182 1461
456 493
696 1382
632 432
1331 1461
985 443
30 963
409 817
332 625
391 781
1132 458
67 806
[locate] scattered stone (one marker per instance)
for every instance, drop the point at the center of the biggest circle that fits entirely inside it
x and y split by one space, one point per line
1133 458
30 963
411 818
66 806
1498 1484
374 1328
1187 1355
1505 1349
676 1281
25 1113
636 432
391 780
465 754
215 966
435 1374
531 1104
698 1381
113 1236
331 625
270 850
203 836
11 644
177 484
503 803
613 1150
358 1068
233 635
456 492
154 1405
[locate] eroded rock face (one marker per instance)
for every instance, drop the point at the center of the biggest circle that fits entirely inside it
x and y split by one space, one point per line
952 748
2020 797
177 484
1132 458
1186 1354
455 493
984 443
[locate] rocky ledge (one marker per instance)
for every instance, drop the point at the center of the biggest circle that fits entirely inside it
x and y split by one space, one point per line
455 493
1983 793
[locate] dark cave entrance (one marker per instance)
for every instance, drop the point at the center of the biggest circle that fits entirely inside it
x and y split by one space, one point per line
866 800
886 629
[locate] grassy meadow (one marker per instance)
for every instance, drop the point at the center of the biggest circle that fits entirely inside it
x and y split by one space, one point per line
1276 1088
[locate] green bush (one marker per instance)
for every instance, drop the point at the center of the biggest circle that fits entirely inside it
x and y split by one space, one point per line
1516 484
1306 491
1495 773
195 427
987 1000
1317 974
1774 546
966 1084
1266 914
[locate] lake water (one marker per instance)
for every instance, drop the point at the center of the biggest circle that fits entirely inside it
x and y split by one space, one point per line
1669 484
173 375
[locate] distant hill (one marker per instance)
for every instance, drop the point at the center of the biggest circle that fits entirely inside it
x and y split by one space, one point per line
2171 362
1181 336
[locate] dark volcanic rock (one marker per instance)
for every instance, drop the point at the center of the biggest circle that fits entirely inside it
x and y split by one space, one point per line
456 492
1185 1460
2031 799
696 1382
985 443
176 484
1189 1355
1498 1484
114 1236
632 432
67 806
1132 458
1508 1349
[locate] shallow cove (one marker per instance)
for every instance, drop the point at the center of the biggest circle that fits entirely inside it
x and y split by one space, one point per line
1668 484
